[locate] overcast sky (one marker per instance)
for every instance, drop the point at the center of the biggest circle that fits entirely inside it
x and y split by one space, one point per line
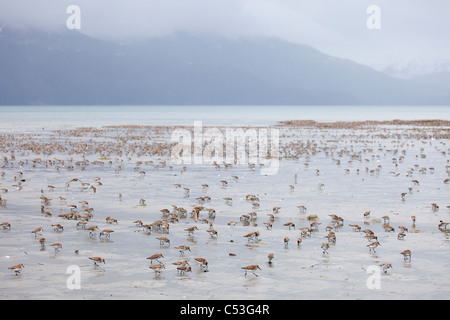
410 29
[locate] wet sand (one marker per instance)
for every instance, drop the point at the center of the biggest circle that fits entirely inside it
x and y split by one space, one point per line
342 168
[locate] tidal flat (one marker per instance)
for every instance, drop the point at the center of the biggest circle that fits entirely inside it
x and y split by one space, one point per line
78 177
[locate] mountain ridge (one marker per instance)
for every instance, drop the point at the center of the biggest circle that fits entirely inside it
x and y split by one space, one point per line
70 68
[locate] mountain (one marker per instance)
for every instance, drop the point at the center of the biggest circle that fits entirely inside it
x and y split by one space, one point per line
70 68
440 79
415 67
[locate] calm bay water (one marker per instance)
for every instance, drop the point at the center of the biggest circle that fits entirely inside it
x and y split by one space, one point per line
24 118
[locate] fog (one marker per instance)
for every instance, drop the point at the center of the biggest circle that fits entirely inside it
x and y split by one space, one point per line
411 30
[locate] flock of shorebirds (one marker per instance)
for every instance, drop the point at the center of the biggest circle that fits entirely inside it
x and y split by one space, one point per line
199 213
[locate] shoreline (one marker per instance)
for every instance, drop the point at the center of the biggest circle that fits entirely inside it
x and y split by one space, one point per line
350 124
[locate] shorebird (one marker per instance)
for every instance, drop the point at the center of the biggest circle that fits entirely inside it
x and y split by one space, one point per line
244 217
302 209
331 236
202 263
251 268
401 236
290 225
42 242
106 233
212 232
83 203
5 225
355 227
45 200
434 207
183 248
17 268
406 255
286 241
338 222
181 263
97 260
57 227
268 225
211 212
163 241
372 246
325 246
191 230
138 223
270 256
37 231
252 236
305 232
164 211
156 256
314 225
157 268
3 202
252 215
299 241
47 213
385 266
442 225
251 198
81 225
92 230
367 214
183 269
57 246
111 220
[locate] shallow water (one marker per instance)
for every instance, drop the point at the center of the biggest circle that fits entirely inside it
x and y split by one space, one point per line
297 272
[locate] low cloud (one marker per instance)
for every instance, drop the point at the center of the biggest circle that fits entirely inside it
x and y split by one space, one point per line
415 29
